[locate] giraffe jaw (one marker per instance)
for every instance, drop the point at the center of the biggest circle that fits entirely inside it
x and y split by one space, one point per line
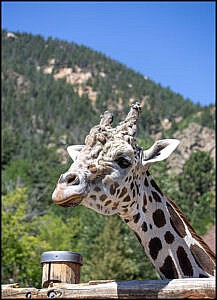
68 202
64 197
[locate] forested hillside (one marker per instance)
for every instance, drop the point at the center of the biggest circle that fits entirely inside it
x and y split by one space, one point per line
53 92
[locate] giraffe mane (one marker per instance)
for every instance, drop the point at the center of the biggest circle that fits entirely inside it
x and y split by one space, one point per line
194 234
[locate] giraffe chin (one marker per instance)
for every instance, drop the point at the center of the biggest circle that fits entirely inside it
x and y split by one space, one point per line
71 201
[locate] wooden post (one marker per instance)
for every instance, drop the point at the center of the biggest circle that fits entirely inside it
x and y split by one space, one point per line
60 266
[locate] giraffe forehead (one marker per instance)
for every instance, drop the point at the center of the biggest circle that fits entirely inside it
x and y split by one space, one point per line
111 149
119 146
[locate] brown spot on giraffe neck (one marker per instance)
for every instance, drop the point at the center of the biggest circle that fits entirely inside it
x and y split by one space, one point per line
169 268
134 193
136 218
127 199
137 188
184 262
144 199
115 205
146 182
169 237
156 196
103 197
159 218
144 226
113 188
155 246
108 202
144 206
144 209
123 192
128 178
132 203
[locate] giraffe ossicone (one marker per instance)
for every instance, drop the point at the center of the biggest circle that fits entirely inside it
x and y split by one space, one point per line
110 175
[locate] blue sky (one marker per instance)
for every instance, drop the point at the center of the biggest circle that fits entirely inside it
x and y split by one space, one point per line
173 43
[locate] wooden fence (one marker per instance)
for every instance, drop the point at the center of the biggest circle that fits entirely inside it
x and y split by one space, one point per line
192 288
61 277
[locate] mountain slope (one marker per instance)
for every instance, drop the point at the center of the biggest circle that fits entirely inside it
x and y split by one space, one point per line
53 92
53 88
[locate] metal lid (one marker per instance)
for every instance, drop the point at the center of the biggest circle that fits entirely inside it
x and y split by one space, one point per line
52 256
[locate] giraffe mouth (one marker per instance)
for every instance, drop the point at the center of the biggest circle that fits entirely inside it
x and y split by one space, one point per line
70 201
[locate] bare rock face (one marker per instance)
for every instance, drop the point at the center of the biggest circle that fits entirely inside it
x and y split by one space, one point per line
77 79
193 138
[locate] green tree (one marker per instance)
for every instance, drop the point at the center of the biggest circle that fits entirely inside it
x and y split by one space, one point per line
20 250
109 259
196 193
24 240
197 176
115 253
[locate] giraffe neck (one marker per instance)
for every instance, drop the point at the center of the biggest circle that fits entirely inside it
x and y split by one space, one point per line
169 241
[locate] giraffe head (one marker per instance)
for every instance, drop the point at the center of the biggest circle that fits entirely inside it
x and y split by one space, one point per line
105 169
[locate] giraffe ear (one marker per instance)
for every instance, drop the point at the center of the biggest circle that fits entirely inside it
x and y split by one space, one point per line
159 151
74 150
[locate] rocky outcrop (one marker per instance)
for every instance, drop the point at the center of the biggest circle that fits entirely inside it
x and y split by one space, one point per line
193 138
71 77
77 78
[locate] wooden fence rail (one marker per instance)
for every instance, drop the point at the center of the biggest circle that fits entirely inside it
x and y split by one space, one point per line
194 288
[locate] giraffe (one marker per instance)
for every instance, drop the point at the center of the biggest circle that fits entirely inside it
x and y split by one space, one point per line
110 175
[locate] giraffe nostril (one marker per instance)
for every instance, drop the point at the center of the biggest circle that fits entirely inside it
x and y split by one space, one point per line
72 179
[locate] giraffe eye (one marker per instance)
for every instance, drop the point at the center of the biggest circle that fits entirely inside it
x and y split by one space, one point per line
123 162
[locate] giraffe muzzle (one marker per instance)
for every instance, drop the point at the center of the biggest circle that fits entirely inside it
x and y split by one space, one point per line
71 189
